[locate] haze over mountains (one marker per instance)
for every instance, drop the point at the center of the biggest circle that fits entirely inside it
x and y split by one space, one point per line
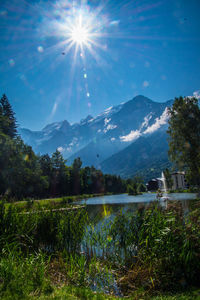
124 139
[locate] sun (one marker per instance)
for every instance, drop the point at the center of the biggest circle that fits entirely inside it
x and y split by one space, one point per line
78 28
79 33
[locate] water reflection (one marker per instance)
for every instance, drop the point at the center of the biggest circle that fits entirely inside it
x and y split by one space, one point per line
99 208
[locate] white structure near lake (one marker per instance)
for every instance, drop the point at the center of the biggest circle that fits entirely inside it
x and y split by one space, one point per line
179 181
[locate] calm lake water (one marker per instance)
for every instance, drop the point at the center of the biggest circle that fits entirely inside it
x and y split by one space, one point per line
101 207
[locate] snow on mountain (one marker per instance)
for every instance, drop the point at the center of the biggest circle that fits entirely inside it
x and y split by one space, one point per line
103 135
146 120
51 127
133 135
195 94
108 112
88 119
158 122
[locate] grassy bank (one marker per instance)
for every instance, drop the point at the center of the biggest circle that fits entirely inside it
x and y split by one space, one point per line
31 278
51 203
150 254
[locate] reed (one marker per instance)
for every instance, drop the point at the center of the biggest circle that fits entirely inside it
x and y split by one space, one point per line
151 251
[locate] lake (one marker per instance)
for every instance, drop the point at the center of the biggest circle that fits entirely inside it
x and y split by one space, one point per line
101 212
101 207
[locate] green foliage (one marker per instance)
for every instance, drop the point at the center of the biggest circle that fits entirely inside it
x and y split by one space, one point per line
72 292
184 133
171 244
20 276
155 248
135 186
20 175
132 189
7 118
168 244
114 184
42 230
89 272
168 178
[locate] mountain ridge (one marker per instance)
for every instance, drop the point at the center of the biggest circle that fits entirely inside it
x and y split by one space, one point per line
96 139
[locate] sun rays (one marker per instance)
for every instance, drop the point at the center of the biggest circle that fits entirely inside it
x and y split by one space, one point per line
76 28
80 33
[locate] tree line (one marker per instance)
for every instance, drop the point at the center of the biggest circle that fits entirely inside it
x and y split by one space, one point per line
24 174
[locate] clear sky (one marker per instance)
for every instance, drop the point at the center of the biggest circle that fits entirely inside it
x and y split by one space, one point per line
63 59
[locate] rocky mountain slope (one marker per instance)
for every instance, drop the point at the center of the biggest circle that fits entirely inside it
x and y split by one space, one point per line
132 129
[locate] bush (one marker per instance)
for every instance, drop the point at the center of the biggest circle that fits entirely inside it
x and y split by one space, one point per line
132 190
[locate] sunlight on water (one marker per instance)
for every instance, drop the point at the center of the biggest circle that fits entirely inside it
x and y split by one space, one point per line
106 211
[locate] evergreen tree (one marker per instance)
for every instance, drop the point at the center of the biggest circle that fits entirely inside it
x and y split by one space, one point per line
77 163
75 176
8 121
4 122
184 137
46 165
58 173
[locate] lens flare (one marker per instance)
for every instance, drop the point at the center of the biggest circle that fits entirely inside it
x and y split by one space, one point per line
80 34
77 27
11 62
40 49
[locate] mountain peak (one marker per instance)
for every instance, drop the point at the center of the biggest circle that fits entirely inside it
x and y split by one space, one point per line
64 125
142 99
88 118
56 126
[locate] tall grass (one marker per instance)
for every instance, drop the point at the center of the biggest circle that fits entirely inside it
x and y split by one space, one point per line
152 249
21 276
27 244
156 248
48 231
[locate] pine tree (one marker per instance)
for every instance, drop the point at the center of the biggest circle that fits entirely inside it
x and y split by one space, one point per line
8 127
1 119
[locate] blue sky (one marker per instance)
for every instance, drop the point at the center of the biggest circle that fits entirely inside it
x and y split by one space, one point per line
136 47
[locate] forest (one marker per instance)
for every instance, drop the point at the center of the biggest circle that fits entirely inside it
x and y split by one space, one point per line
25 174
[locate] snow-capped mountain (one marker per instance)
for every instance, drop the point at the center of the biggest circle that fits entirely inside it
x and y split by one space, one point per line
95 139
